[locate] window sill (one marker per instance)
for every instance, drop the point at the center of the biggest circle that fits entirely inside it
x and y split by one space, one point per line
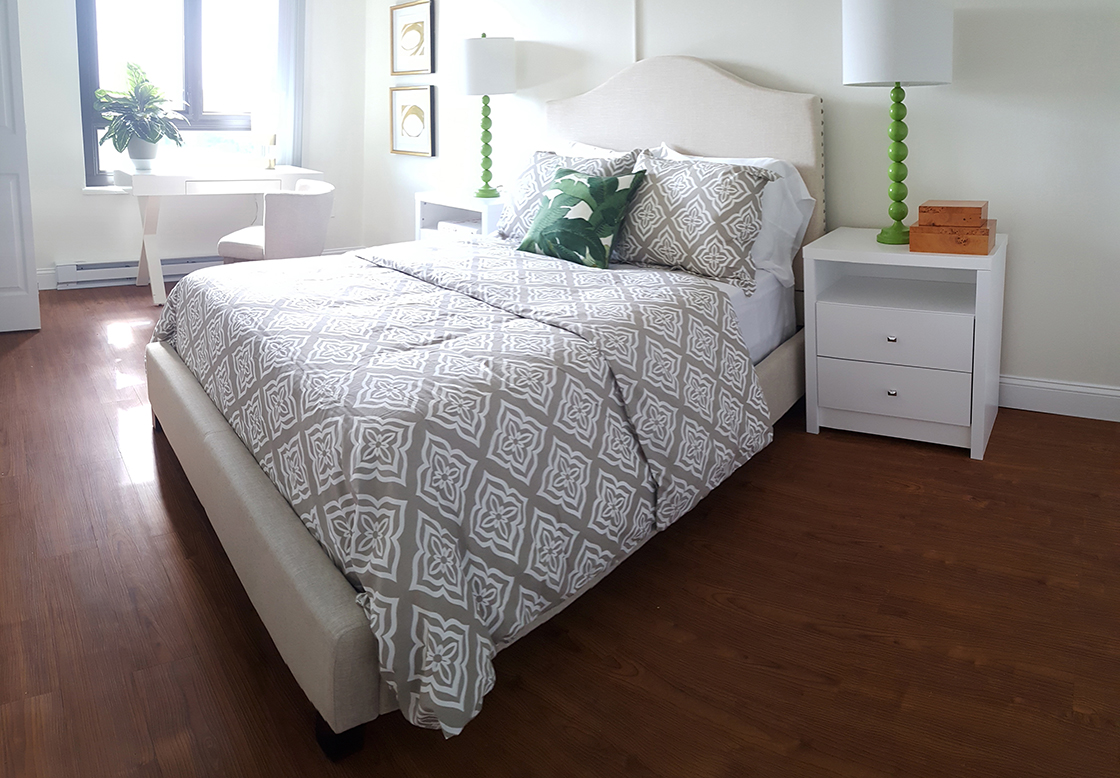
105 190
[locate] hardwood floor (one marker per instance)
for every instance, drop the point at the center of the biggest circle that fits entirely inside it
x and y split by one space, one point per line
844 606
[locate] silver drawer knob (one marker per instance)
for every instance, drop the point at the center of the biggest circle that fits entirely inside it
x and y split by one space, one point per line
892 393
892 339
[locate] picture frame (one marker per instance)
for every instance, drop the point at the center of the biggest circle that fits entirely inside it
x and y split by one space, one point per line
411 39
412 125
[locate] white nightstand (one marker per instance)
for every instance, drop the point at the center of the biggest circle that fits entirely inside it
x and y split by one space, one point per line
902 343
435 207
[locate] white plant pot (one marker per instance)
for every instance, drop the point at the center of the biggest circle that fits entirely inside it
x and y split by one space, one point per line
141 152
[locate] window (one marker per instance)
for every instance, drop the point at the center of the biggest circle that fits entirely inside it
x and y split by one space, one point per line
220 62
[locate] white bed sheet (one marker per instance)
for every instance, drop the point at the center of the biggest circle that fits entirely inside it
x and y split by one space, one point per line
768 317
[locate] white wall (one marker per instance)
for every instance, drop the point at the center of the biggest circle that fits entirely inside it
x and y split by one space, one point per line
1029 124
334 130
72 226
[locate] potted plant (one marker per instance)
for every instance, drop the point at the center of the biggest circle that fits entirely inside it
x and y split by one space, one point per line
137 118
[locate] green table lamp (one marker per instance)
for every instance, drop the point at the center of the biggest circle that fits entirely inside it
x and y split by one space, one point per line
897 43
489 69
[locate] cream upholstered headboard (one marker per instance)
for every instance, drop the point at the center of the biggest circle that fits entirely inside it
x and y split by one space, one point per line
698 108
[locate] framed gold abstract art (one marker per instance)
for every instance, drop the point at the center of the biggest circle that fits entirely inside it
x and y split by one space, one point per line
413 129
410 26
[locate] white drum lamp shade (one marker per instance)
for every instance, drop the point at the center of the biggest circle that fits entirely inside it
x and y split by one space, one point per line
897 43
909 42
489 68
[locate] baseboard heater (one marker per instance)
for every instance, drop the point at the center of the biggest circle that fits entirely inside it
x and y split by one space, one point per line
83 275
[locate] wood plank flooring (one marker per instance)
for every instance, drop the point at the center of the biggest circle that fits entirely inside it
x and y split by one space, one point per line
844 606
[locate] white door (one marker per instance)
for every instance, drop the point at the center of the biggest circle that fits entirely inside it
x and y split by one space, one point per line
19 286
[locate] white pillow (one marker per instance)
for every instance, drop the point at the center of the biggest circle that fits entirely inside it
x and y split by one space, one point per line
786 210
577 149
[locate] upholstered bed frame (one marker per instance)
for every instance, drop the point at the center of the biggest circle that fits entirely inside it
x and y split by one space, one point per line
306 604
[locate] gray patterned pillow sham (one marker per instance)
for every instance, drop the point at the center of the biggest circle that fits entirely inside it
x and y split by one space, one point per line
525 201
695 216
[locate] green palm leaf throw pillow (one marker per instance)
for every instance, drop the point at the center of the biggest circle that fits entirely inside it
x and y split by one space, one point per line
580 215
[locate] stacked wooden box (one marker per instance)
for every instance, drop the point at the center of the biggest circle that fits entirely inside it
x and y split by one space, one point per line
953 227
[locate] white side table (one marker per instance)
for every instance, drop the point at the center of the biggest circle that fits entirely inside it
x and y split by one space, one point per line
435 207
902 343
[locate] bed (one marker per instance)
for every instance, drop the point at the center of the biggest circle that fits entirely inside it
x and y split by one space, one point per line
306 603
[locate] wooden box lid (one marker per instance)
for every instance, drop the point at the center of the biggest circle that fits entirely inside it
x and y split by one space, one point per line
953 213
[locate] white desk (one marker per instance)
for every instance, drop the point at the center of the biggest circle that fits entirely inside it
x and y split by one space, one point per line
149 186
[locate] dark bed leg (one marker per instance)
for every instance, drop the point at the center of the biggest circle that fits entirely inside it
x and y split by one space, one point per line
156 426
338 745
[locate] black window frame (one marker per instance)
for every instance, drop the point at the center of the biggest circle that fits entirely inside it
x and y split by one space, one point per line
88 81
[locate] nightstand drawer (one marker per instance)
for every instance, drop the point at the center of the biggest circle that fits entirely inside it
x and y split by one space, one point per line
942 396
895 335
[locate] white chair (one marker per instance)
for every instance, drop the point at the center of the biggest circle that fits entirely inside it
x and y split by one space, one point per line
295 225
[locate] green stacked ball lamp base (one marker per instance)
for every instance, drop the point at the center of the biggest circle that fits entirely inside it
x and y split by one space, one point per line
897 234
486 190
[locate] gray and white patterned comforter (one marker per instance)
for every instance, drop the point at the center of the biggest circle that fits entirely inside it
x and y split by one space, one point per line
472 434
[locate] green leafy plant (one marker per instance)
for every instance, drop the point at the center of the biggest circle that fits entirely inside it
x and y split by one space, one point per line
137 112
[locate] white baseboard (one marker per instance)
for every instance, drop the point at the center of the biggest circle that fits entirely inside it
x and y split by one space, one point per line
1088 401
48 278
86 275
